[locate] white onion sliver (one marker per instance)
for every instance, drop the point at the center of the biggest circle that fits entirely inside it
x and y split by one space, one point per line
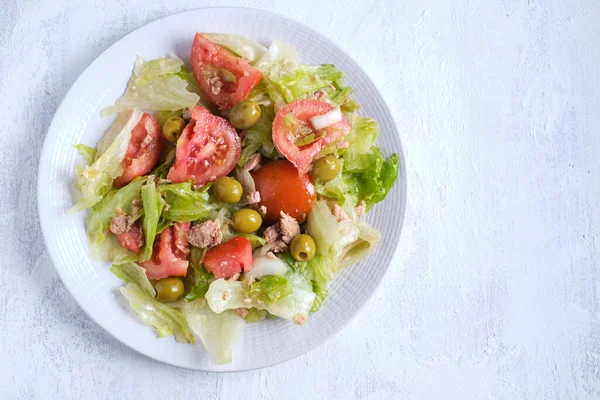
327 119
264 265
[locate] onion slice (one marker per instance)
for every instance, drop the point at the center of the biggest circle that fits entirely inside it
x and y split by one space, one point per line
265 265
324 120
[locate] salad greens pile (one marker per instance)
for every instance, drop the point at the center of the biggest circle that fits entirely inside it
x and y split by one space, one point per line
128 223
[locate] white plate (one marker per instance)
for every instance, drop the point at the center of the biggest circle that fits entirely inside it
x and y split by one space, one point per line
78 121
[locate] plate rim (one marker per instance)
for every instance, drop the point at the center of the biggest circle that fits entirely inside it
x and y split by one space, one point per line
45 160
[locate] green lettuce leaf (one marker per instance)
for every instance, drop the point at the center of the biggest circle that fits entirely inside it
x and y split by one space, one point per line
278 60
286 81
269 289
132 273
226 295
218 332
156 85
239 45
153 206
259 137
103 244
184 204
201 278
318 271
254 315
322 269
361 138
365 176
259 95
296 305
322 226
255 240
165 319
373 179
166 161
95 180
88 153
320 289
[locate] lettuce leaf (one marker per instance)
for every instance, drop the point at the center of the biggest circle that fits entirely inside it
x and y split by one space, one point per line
224 217
88 153
103 244
239 45
278 60
301 267
254 315
255 240
322 269
201 278
269 289
365 176
226 295
296 305
218 332
166 161
165 319
153 206
156 85
259 95
322 226
374 177
286 81
185 204
259 138
95 180
355 242
132 273
320 289
245 179
361 138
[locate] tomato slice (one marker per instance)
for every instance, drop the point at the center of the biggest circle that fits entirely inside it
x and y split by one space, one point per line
143 151
169 255
133 239
286 137
223 78
208 148
282 189
229 258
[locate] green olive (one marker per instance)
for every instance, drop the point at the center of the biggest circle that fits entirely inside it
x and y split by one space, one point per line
169 290
244 114
303 247
326 168
246 220
172 128
228 190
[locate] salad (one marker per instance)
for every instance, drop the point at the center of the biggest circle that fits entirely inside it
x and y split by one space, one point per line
229 190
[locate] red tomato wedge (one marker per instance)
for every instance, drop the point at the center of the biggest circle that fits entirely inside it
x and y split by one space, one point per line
143 151
281 188
286 137
169 255
229 258
208 148
223 78
133 239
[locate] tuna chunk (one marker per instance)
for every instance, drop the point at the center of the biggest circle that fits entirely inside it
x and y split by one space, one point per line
339 212
280 235
206 234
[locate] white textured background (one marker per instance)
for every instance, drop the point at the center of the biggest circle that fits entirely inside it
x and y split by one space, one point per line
496 291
